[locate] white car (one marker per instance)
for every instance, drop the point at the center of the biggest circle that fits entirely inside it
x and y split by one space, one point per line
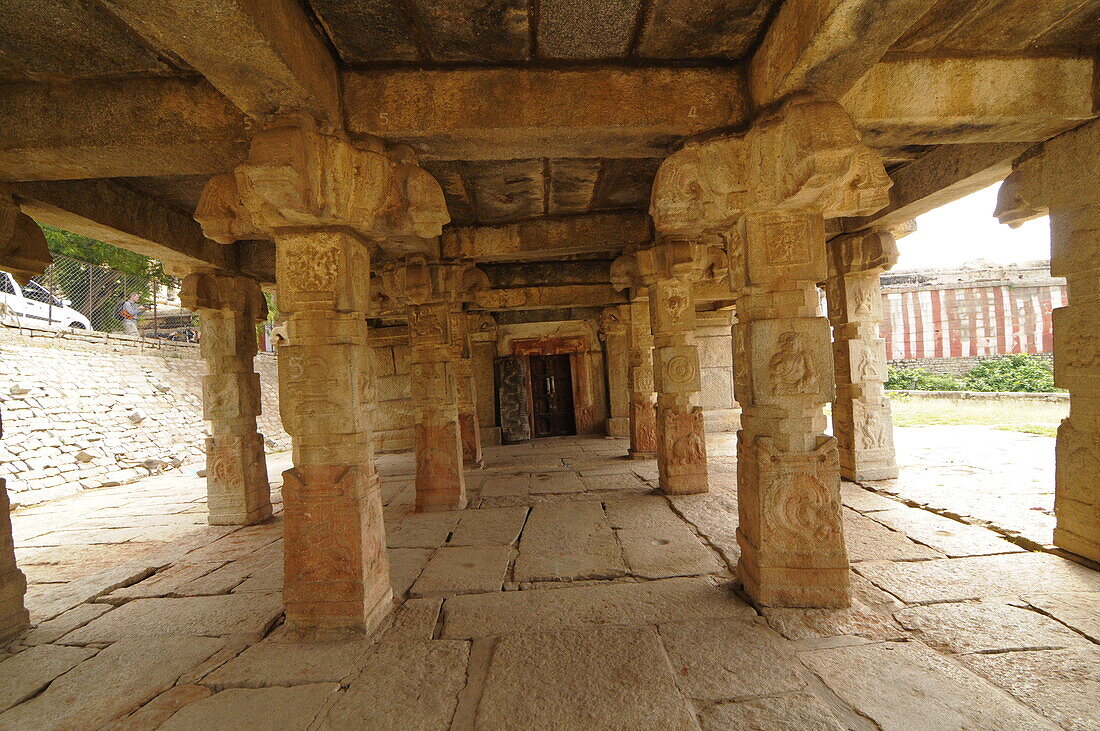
33 306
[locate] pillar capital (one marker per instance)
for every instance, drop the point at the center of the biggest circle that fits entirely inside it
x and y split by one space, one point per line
219 291
614 321
865 252
23 250
301 175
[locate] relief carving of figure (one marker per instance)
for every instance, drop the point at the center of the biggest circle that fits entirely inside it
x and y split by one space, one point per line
792 368
873 430
867 368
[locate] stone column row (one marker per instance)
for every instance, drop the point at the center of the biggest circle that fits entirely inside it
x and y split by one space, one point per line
229 306
466 389
614 332
643 400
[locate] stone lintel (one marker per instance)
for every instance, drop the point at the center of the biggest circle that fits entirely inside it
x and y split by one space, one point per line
547 297
903 102
591 234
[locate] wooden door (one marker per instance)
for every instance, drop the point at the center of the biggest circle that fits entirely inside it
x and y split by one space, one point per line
551 396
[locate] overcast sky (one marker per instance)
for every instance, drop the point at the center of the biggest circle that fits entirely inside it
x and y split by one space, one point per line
966 230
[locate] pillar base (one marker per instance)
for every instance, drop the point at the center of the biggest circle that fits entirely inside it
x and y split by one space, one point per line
259 515
618 426
237 488
684 484
337 629
641 455
471 440
440 484
681 451
771 586
14 617
869 474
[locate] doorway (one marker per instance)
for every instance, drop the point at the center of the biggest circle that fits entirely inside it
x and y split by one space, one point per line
551 396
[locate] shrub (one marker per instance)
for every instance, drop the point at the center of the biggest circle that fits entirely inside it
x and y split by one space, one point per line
1019 372
919 379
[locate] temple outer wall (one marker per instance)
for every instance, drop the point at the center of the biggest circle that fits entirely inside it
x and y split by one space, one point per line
84 411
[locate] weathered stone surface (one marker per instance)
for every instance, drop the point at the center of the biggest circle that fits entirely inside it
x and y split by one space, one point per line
489 527
865 501
597 678
403 685
154 713
1078 609
261 707
554 483
663 551
871 541
506 485
568 541
405 566
793 712
281 660
138 669
641 513
666 600
248 614
464 570
28 672
64 623
893 683
714 514
1063 685
958 579
943 534
423 530
858 620
729 659
986 627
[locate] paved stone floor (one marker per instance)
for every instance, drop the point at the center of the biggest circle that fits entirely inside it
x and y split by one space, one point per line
569 595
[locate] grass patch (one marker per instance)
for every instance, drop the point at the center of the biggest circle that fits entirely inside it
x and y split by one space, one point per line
1029 417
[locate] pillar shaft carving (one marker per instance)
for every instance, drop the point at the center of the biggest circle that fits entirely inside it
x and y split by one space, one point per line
237 487
615 334
1063 179
668 269
323 200
643 397
768 193
861 412
466 389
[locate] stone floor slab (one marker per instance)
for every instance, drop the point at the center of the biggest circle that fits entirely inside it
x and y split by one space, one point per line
959 579
568 541
283 660
424 530
664 551
943 534
863 500
511 484
1077 609
729 659
903 685
626 604
858 620
238 708
208 616
555 483
489 527
1063 685
464 570
641 513
986 627
405 567
868 540
64 623
153 714
790 712
116 681
26 673
598 678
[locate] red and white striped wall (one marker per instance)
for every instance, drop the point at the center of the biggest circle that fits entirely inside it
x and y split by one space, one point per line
969 321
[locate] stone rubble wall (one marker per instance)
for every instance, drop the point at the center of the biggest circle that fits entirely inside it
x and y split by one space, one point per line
83 411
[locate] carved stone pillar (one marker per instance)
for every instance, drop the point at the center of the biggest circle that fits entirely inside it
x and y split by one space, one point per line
24 254
614 327
668 269
768 193
236 469
861 412
643 399
1063 180
321 200
466 390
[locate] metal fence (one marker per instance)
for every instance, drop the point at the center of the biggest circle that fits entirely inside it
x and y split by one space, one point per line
80 295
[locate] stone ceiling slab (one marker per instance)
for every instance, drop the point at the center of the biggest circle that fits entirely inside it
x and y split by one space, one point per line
625 183
365 31
582 29
474 30
1001 25
572 183
508 190
699 29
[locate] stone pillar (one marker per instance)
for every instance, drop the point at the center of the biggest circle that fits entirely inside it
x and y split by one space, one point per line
767 193
861 412
483 351
668 269
321 200
237 487
1064 180
466 390
614 326
24 254
643 399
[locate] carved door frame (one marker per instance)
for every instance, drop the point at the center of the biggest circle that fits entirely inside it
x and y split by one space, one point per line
576 347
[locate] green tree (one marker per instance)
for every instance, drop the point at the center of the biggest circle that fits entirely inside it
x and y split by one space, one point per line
96 252
1018 372
919 379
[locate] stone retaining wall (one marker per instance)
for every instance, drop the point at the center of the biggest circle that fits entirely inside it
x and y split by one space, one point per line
954 366
86 410
1057 397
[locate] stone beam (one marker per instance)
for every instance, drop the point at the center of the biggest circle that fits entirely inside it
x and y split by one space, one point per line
503 114
113 213
962 100
826 46
547 297
264 55
945 174
545 238
117 128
